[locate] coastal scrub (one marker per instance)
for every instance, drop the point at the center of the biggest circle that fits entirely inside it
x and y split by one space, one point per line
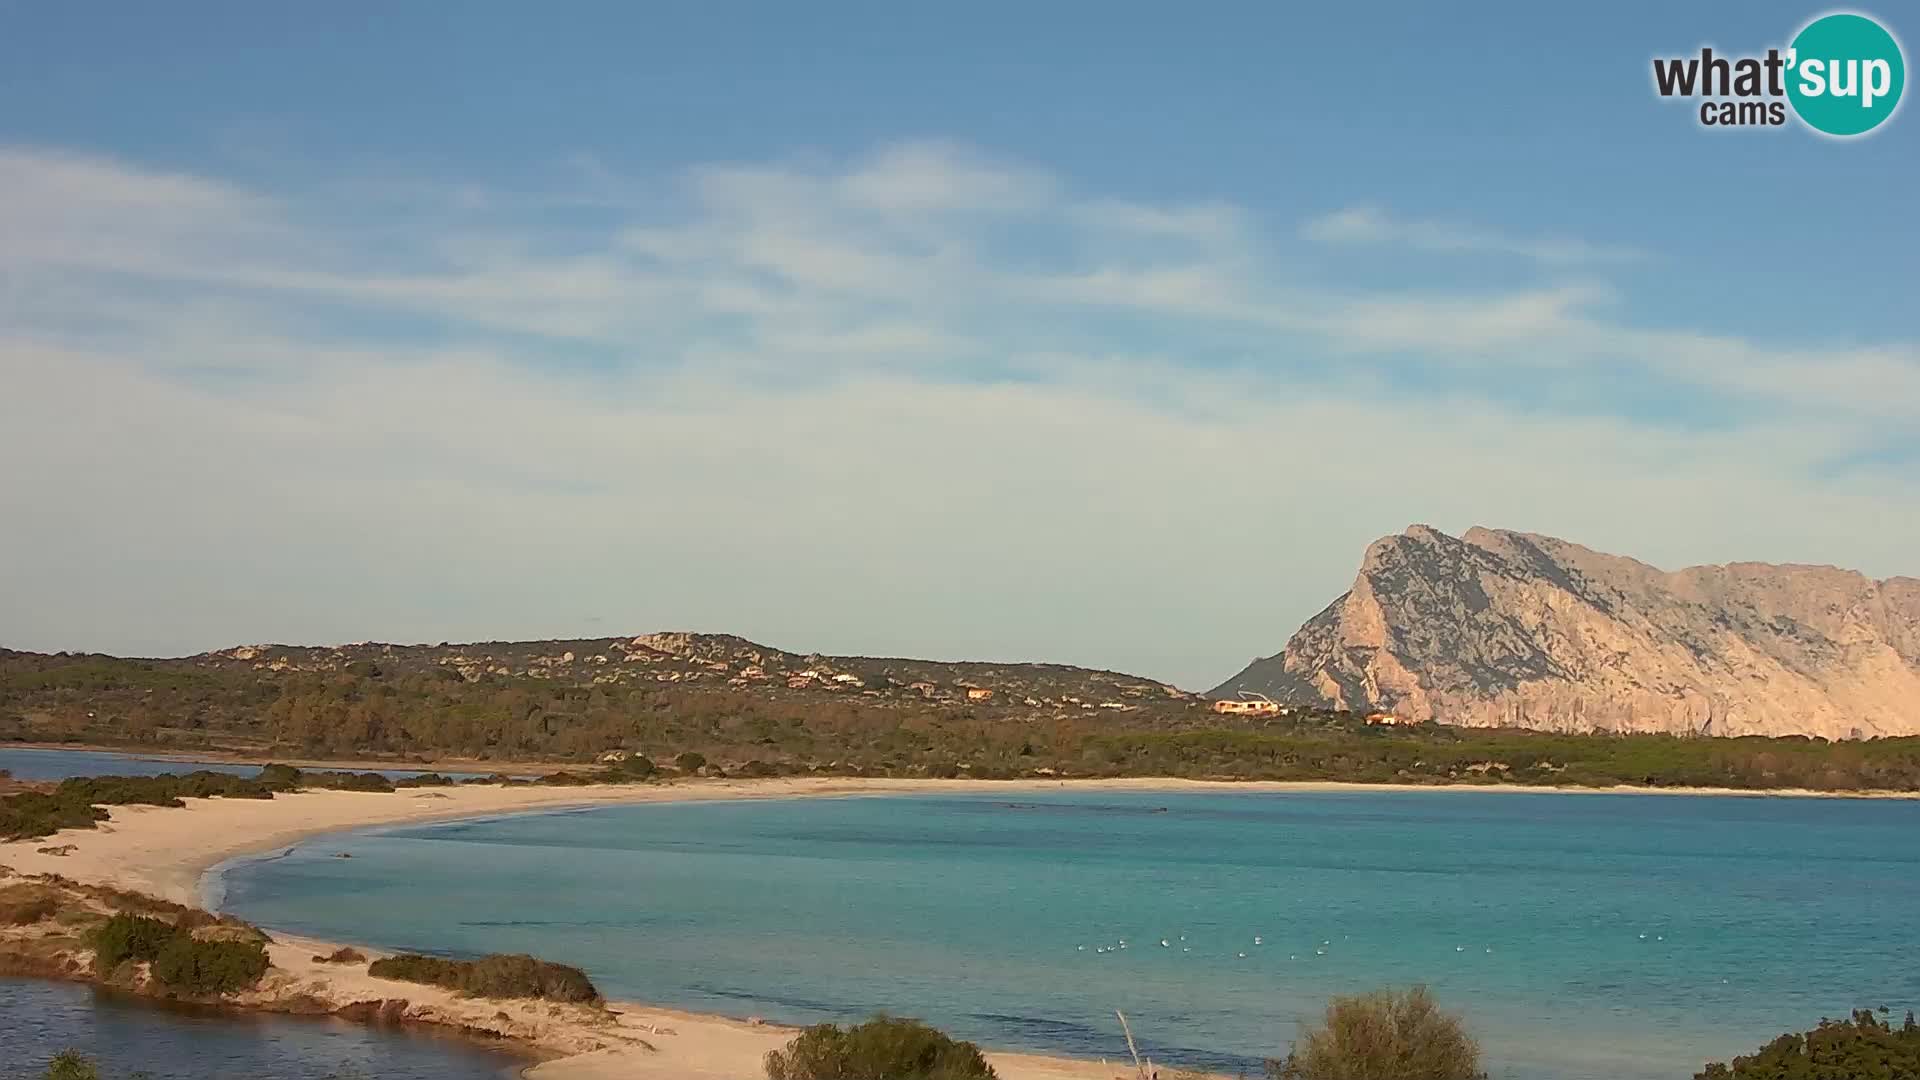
496 976
1383 1036
883 1048
177 959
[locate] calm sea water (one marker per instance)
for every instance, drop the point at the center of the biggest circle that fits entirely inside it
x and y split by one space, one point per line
126 1036
42 764
1585 937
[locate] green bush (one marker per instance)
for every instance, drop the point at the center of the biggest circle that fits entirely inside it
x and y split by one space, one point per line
564 778
1383 1036
432 779
35 813
128 937
178 959
209 967
883 1048
281 777
637 767
495 976
1863 1047
347 781
413 967
69 1065
77 802
690 761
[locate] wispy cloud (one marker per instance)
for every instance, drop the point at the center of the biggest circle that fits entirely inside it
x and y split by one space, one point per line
921 399
1365 226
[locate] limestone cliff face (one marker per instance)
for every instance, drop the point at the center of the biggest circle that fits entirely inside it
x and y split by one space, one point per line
1497 628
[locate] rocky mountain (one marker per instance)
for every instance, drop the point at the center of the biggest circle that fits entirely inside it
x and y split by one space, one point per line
1497 628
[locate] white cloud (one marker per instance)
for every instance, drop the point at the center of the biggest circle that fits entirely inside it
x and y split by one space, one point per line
923 176
1370 226
1205 223
895 404
1537 320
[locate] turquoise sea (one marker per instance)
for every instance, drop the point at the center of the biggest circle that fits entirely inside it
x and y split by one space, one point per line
1585 937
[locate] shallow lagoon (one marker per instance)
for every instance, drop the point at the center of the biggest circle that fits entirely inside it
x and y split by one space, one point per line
128 1035
1585 936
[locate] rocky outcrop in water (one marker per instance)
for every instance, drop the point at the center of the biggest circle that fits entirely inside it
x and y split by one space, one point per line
1497 628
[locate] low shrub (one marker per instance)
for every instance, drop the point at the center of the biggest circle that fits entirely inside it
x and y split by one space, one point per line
345 955
281 777
1382 1034
346 781
209 967
129 937
78 802
495 976
524 976
69 1065
36 813
432 779
690 761
883 1048
414 967
635 767
567 779
232 961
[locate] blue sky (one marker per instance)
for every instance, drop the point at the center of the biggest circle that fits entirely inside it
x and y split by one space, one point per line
888 328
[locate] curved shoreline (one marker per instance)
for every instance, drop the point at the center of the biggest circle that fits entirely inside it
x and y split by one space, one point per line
176 853
168 852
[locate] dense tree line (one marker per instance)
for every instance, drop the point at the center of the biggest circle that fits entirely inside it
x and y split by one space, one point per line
427 714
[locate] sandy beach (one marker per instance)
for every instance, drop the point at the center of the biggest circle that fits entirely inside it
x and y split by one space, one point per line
168 852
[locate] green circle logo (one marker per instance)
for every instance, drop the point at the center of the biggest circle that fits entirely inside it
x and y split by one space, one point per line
1845 73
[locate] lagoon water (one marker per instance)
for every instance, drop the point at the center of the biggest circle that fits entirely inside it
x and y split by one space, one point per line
128 1036
1585 937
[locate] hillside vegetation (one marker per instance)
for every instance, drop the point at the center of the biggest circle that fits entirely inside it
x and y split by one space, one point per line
721 705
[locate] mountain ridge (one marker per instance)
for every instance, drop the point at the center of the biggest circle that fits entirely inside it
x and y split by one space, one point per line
1499 628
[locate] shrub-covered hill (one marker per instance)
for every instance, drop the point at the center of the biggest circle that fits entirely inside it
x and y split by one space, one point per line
725 704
